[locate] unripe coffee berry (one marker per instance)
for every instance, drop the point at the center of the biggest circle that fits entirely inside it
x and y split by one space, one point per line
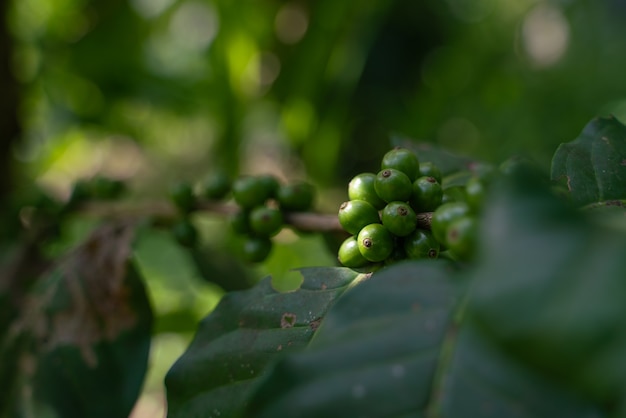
256 249
399 218
461 237
349 254
265 221
392 185
375 242
296 196
361 187
475 193
421 244
182 196
444 216
403 160
240 222
428 169
355 214
426 194
216 186
250 191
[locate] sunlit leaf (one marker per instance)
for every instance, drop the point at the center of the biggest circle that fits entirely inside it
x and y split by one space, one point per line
375 354
246 332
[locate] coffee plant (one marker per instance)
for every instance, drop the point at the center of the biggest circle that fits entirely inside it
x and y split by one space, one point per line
461 290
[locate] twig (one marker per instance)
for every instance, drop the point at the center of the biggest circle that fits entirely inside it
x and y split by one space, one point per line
302 221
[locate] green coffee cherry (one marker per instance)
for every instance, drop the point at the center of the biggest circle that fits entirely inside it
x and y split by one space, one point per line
399 218
421 244
392 185
252 191
427 194
403 160
461 237
355 214
266 222
398 253
361 187
475 193
240 222
216 186
444 216
375 242
182 196
428 169
185 233
296 196
256 249
270 183
349 254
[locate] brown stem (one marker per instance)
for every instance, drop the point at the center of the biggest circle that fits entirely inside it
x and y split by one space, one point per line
302 221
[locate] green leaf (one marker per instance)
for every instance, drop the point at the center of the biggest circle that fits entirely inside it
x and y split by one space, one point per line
391 348
84 334
593 166
245 332
551 289
483 381
375 354
447 161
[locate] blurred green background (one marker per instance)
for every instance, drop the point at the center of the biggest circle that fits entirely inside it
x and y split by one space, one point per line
157 91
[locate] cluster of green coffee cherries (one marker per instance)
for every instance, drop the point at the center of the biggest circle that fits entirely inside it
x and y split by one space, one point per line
403 212
262 205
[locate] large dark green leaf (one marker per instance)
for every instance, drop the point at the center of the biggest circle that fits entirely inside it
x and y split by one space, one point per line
551 289
483 381
391 348
376 353
245 332
83 336
447 161
593 166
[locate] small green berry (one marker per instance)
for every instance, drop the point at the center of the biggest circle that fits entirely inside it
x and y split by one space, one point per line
375 242
252 191
296 196
270 183
403 160
361 187
398 254
240 222
185 233
216 186
475 193
349 254
355 214
427 194
256 249
399 218
461 237
421 244
182 196
444 216
392 185
265 221
428 169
